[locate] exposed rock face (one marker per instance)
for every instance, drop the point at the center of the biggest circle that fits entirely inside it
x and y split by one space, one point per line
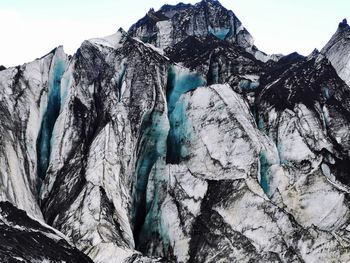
178 141
119 90
200 20
24 95
23 239
172 24
337 51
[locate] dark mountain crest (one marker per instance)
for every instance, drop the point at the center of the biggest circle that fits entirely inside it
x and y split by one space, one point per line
186 152
24 239
343 30
344 24
182 5
210 8
2 67
178 6
210 2
156 16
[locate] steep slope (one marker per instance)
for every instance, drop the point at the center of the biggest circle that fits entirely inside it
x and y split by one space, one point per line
176 142
219 61
173 24
304 111
337 50
211 204
24 239
24 96
115 90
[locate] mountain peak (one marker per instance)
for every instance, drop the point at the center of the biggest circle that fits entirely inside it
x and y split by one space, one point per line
174 143
343 24
337 50
216 2
121 31
173 23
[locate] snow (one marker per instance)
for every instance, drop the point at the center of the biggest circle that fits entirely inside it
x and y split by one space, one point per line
66 83
225 142
19 258
190 192
292 146
29 109
112 41
337 50
164 33
160 149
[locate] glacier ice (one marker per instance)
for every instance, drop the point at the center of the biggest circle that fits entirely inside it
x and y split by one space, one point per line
187 148
220 33
152 147
180 81
49 119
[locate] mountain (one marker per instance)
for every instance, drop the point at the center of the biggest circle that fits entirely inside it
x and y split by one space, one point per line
177 141
337 49
173 24
24 239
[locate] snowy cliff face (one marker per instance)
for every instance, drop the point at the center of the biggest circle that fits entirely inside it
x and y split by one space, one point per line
176 144
24 95
114 96
337 51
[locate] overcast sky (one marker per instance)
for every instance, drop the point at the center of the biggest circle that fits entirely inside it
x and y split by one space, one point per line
31 28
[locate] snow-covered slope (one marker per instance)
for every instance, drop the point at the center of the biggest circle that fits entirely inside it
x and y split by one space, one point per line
24 95
337 51
178 142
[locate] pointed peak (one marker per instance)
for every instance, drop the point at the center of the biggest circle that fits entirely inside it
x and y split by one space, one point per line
343 24
180 5
151 11
343 28
210 3
2 67
217 2
122 31
342 33
315 52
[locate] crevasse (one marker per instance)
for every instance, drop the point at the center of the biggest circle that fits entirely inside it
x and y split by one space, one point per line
48 121
120 79
180 81
264 174
159 141
152 147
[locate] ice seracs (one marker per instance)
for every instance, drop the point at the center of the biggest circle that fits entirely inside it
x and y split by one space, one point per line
177 141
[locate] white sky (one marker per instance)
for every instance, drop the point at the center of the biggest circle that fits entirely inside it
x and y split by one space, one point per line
31 28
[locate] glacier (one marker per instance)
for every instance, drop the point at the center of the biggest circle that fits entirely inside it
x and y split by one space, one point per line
51 113
177 141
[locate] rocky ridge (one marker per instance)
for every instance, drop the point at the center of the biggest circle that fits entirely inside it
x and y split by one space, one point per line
179 141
